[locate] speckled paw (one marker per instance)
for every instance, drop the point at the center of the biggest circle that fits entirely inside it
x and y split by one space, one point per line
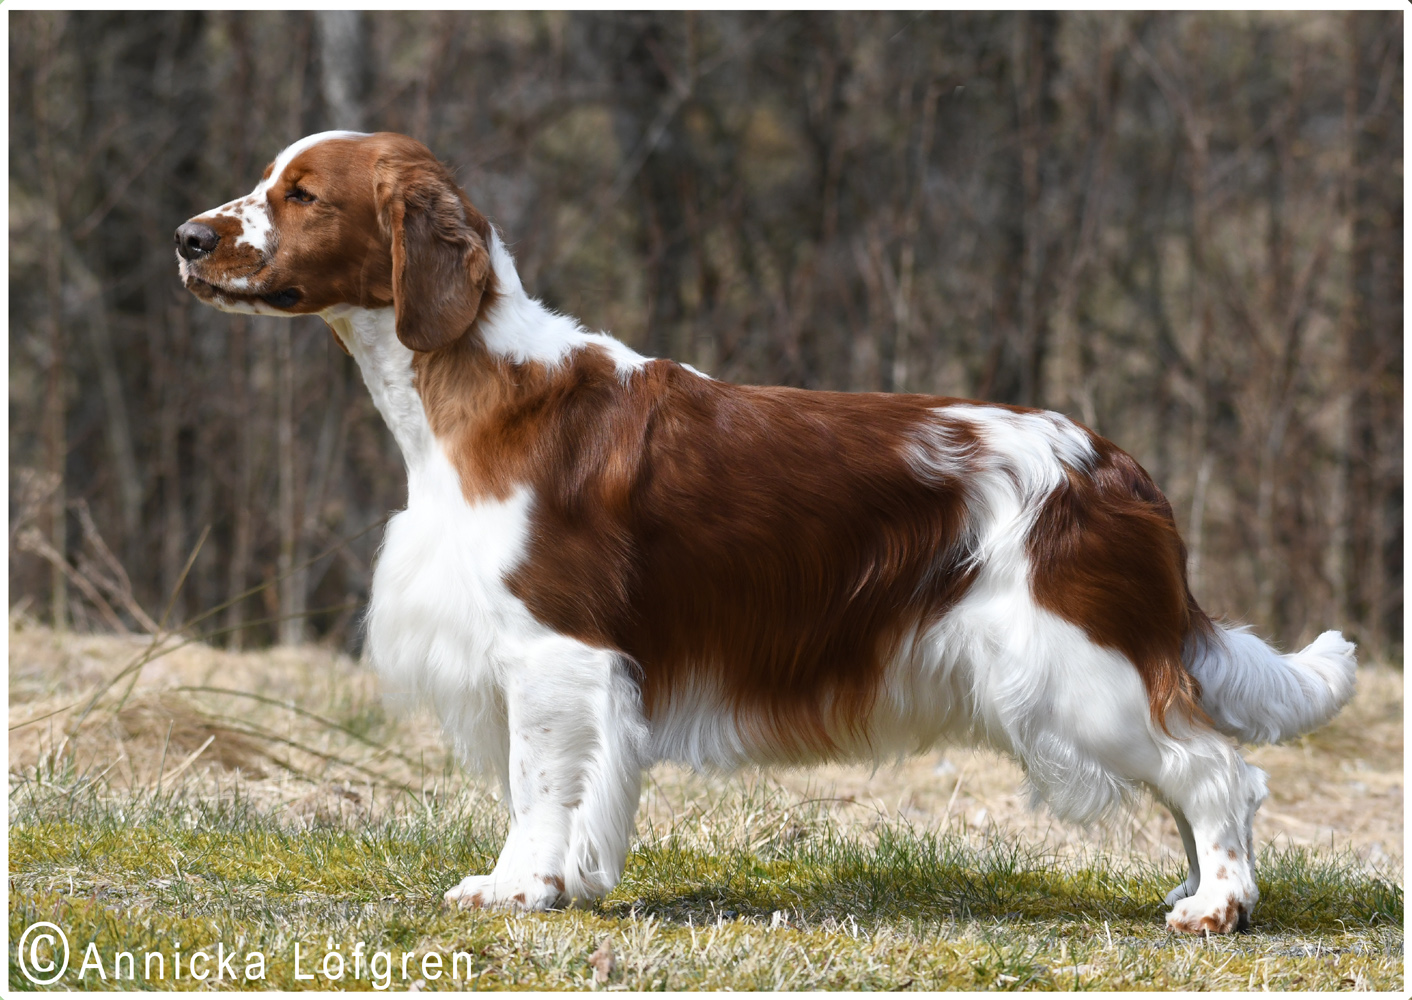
534 892
1198 916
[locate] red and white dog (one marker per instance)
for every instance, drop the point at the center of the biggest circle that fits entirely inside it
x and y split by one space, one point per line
608 560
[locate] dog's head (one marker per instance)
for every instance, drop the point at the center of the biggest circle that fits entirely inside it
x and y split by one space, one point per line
346 219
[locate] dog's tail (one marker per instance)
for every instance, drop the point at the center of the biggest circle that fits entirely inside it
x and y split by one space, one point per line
1258 695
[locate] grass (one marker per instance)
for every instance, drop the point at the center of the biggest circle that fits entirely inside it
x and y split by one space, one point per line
255 802
761 892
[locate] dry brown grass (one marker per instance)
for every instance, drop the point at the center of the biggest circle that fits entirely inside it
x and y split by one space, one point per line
1341 786
301 730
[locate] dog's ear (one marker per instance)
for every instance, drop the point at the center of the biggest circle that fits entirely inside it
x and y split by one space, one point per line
440 263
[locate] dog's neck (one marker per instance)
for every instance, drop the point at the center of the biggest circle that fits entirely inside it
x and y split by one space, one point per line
512 328
370 336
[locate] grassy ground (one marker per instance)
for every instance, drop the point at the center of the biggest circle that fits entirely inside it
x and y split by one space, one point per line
258 802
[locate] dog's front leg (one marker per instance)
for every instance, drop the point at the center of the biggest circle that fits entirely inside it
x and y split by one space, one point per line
576 735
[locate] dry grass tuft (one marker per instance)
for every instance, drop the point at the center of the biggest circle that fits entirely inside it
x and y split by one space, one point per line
169 726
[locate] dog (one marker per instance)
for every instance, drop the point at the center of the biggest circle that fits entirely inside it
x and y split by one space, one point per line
607 560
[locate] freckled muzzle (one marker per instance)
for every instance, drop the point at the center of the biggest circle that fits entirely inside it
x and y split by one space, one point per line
222 268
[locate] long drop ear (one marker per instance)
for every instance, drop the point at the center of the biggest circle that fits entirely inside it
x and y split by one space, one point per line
440 264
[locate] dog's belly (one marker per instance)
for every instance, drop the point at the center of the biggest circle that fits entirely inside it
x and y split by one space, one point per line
926 696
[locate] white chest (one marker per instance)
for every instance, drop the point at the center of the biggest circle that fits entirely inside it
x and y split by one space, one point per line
440 610
442 625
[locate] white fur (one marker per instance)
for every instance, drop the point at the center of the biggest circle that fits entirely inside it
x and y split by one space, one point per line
386 365
1255 694
252 212
1020 461
697 728
1033 447
521 329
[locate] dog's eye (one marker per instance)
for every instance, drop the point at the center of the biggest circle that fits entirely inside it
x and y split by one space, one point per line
300 195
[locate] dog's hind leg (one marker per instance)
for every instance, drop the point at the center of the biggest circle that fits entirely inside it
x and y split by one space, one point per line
1076 714
574 770
1207 783
1193 874
1072 712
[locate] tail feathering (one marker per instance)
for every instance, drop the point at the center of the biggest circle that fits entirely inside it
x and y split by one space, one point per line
1258 695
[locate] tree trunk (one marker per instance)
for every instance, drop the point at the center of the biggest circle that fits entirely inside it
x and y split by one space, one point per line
293 599
293 582
238 576
1021 327
1375 333
343 59
55 406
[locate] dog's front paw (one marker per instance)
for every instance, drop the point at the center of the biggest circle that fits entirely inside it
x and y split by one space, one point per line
1196 915
530 892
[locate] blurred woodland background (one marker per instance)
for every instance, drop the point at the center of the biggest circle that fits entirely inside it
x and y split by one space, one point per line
1183 230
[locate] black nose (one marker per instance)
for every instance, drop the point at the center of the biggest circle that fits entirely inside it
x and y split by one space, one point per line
195 239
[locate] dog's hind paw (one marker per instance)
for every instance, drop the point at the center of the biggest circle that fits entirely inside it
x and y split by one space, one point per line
1197 916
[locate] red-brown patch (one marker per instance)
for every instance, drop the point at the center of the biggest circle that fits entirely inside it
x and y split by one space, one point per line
769 542
1105 555
440 247
1226 919
230 262
555 881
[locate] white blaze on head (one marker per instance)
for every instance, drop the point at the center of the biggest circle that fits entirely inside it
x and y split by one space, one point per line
253 211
